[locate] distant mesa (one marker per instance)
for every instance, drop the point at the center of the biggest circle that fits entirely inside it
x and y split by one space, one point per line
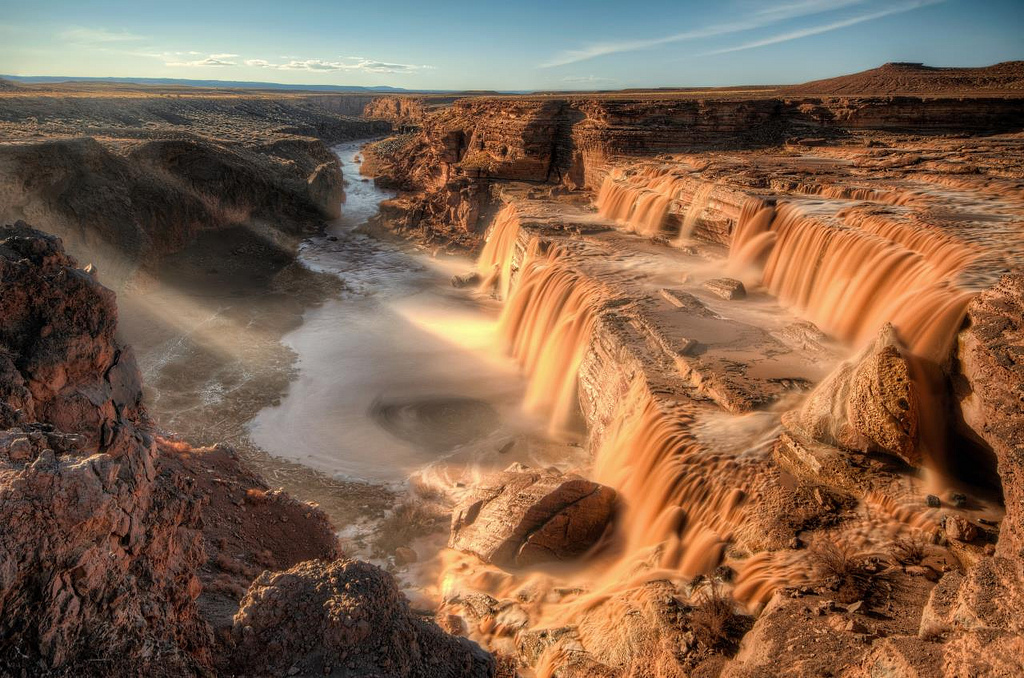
916 78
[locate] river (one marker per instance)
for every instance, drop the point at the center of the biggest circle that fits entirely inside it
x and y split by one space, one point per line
399 371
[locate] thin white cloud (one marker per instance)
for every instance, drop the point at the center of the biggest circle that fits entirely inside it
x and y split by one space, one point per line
349 64
97 36
216 60
815 30
756 18
804 7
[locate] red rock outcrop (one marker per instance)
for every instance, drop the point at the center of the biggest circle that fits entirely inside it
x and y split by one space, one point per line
247 528
869 404
100 549
60 361
989 382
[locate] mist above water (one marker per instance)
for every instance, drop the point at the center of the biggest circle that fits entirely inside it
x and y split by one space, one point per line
400 370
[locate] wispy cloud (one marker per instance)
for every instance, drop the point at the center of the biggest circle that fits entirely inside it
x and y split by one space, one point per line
346 64
825 28
755 18
97 36
217 60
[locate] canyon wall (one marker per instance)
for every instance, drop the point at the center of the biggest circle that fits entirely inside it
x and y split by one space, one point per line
463 150
127 180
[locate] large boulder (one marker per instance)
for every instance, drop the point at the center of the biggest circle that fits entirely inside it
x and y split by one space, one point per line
869 403
967 601
521 517
344 618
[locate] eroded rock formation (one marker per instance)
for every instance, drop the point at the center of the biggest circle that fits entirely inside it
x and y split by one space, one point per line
100 549
868 404
990 388
860 251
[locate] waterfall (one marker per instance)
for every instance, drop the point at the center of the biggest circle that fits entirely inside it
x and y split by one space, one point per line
851 277
496 258
546 324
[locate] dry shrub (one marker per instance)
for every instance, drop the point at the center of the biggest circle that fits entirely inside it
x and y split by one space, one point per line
408 522
850 575
226 563
715 625
225 585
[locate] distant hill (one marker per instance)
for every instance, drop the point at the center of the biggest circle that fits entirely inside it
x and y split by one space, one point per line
51 79
6 85
914 78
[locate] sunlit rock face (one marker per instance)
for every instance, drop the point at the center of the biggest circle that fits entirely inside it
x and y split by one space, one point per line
522 517
868 404
989 383
61 362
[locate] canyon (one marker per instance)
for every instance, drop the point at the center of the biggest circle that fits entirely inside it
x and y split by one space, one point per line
725 382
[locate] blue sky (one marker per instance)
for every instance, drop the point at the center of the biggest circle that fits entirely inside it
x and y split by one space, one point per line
482 44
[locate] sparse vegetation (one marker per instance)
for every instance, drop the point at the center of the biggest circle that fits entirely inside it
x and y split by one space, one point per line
852 576
716 626
410 520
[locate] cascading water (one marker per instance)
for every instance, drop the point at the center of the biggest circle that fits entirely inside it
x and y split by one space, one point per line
700 200
684 503
849 281
641 201
496 257
546 324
